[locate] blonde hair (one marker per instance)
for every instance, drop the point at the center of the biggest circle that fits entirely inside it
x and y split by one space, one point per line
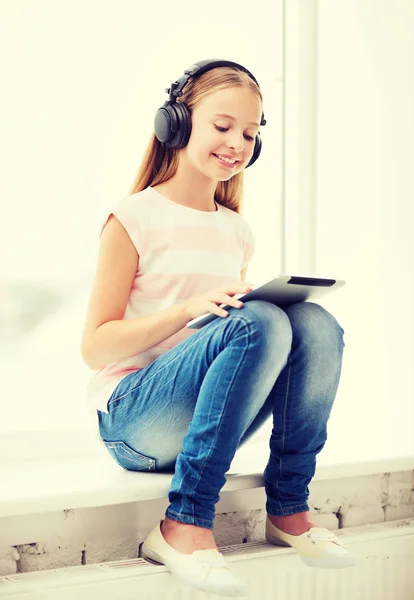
160 163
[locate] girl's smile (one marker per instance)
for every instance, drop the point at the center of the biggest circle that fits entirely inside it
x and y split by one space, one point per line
225 164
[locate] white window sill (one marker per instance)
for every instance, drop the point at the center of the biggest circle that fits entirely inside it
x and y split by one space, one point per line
30 487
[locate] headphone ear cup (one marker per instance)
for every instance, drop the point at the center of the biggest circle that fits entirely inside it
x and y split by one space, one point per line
164 123
256 151
184 125
172 125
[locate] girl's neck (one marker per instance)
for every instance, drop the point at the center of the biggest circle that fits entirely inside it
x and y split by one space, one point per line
187 195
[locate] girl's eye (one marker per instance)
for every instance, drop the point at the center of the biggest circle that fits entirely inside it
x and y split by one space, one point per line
248 137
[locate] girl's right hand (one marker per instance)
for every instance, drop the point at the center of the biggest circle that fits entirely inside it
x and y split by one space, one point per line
209 301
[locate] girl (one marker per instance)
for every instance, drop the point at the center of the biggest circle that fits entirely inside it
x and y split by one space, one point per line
171 399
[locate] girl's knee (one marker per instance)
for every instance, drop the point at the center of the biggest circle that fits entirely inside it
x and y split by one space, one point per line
315 322
267 318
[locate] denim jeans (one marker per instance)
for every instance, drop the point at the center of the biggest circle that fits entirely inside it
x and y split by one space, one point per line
190 410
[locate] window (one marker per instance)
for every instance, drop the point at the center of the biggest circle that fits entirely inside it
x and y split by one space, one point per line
337 205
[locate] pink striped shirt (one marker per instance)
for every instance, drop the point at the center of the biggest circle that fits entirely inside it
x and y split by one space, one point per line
182 252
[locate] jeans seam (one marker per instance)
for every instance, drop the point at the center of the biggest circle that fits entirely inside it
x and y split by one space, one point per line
284 428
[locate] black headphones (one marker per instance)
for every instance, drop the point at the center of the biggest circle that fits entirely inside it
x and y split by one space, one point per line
172 123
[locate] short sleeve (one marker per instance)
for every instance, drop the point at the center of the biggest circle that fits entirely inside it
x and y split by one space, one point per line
249 245
127 213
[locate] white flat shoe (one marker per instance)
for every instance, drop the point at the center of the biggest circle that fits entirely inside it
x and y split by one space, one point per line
205 570
317 547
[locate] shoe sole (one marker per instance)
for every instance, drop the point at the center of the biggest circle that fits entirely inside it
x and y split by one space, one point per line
277 541
317 563
145 552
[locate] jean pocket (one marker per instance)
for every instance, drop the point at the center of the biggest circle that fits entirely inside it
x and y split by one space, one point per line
128 458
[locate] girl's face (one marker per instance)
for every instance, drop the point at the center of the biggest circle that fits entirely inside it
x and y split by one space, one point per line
213 135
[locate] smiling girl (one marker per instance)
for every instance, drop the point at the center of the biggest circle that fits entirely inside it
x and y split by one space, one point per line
171 399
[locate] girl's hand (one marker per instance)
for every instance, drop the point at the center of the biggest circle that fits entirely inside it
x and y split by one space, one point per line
209 301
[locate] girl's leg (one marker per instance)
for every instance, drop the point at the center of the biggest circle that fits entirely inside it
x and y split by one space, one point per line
300 401
189 409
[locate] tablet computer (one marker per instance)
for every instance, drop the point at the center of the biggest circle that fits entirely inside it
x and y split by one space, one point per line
282 291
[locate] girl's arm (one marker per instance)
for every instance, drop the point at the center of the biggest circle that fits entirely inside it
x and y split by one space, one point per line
106 336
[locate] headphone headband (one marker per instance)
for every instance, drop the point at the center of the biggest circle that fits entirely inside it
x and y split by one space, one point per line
198 69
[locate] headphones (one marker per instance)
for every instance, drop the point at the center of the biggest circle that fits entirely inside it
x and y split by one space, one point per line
172 123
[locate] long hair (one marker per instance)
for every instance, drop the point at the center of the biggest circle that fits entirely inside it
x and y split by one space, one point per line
160 163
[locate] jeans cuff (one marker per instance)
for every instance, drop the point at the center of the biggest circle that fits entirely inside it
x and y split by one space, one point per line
283 511
189 520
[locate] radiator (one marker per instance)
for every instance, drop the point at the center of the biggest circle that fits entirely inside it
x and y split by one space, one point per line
384 571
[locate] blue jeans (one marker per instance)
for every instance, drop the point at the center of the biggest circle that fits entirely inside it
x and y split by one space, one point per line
194 406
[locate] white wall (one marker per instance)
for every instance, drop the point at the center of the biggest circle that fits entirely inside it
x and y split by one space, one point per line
348 213
364 213
80 87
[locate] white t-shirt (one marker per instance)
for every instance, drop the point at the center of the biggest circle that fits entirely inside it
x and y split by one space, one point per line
183 252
